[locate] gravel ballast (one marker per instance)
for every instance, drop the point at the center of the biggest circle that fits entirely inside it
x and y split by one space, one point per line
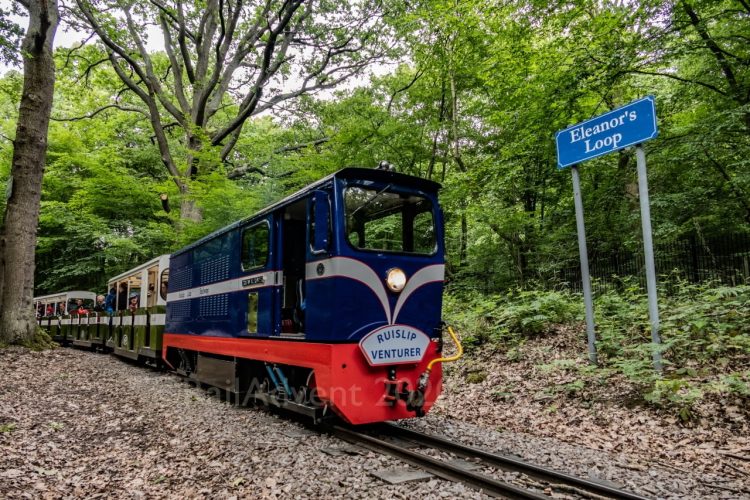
75 423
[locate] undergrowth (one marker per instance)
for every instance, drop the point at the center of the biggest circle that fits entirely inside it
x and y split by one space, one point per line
40 341
705 331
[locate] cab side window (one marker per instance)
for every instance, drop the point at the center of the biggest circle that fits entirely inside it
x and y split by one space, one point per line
255 247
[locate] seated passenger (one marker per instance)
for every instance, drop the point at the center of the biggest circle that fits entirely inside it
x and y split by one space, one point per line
99 306
80 310
133 305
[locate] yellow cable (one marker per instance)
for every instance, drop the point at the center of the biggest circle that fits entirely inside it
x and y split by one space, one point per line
448 359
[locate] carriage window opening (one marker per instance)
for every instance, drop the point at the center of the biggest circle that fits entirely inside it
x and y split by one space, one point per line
388 221
312 228
164 280
424 233
255 247
151 287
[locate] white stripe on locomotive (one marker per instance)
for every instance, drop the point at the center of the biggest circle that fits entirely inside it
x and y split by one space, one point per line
270 278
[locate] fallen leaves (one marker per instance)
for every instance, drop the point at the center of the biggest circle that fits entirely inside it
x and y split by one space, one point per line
534 395
80 424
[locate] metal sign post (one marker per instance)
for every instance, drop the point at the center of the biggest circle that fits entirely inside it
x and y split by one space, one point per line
587 298
629 125
648 254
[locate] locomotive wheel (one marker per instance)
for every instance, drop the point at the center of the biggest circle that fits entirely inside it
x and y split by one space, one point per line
265 388
310 390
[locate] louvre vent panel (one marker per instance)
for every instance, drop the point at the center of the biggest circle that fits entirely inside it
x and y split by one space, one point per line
215 270
179 309
216 305
181 279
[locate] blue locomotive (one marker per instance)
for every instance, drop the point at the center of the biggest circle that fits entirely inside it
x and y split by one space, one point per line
327 300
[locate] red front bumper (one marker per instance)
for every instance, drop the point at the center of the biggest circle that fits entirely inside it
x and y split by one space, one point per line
355 390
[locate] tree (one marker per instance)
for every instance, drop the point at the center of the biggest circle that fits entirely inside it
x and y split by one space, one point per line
18 230
226 61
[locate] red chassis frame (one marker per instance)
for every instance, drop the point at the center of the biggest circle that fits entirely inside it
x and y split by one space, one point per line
355 390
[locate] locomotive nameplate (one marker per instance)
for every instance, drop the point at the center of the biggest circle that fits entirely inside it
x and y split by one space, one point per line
394 345
255 280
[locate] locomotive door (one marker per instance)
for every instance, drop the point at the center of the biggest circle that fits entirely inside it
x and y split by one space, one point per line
291 300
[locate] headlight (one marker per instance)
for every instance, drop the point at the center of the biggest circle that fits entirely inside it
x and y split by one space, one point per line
396 280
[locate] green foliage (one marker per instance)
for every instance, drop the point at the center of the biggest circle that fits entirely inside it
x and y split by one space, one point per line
10 427
679 393
476 377
509 317
533 312
699 323
10 35
100 212
737 383
705 333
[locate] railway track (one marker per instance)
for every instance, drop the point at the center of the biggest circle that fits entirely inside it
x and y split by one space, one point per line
379 439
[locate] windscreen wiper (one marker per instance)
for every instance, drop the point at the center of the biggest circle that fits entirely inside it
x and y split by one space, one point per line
370 200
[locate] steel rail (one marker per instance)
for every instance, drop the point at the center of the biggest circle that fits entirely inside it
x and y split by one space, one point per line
511 464
481 482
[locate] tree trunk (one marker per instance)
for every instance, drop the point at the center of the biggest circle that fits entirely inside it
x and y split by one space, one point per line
17 316
189 210
464 239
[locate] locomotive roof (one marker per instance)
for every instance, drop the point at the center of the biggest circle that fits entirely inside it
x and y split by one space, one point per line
369 174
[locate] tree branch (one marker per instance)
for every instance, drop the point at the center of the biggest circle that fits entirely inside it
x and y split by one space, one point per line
679 79
97 111
242 171
109 43
250 102
404 89
177 68
73 50
151 80
715 50
303 145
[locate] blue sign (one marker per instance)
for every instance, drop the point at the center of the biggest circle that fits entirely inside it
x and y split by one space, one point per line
618 129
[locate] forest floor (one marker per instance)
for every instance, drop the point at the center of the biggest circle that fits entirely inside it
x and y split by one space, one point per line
76 424
79 424
534 391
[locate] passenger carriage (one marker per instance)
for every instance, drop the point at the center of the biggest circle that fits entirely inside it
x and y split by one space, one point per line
54 313
327 300
137 334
